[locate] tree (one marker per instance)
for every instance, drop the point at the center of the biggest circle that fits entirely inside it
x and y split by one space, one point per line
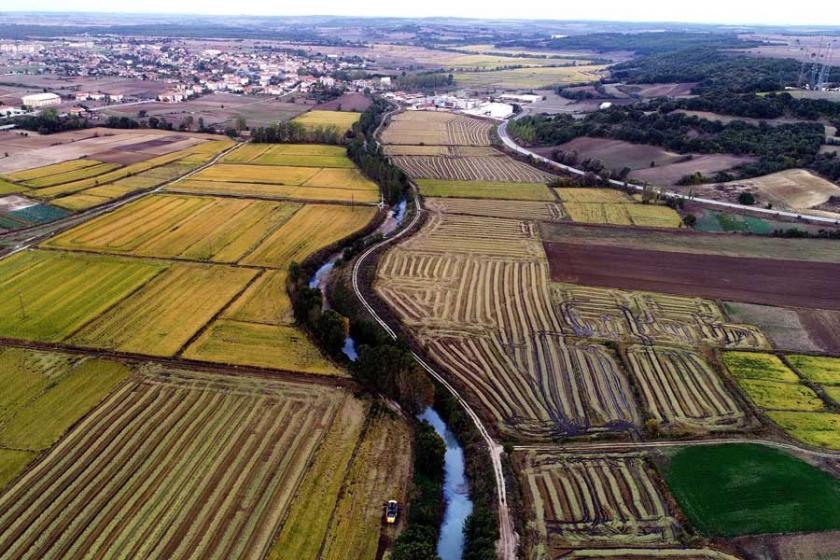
746 198
241 123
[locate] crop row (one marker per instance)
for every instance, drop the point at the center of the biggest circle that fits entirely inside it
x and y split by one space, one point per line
437 128
470 169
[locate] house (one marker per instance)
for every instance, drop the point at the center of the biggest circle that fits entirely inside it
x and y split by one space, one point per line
37 100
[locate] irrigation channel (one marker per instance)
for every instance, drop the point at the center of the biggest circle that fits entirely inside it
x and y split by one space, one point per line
458 505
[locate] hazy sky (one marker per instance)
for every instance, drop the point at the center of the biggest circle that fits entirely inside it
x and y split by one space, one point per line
820 12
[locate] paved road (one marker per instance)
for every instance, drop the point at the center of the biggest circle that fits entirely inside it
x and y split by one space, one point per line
508 141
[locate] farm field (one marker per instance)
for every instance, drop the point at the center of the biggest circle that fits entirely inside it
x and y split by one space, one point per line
751 280
447 150
526 78
491 168
614 154
602 500
485 189
343 120
777 390
784 327
796 189
815 250
44 393
522 210
681 392
782 494
606 206
174 464
298 193
649 317
301 155
670 174
437 128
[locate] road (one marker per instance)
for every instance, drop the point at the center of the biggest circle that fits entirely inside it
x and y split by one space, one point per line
508 141
508 540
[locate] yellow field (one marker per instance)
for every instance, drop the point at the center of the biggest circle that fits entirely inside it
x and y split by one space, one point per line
271 346
821 429
160 318
75 175
593 195
525 78
49 170
276 192
485 189
763 367
244 173
625 214
265 301
313 227
186 227
819 369
79 201
343 120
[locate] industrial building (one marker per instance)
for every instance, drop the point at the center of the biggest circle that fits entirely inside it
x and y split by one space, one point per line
38 100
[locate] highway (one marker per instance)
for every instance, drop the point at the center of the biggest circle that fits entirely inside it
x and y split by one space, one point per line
509 142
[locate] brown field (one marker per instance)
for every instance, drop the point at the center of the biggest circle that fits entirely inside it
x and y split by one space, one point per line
707 164
823 327
693 242
751 280
796 189
470 169
614 154
465 151
659 90
437 128
601 500
784 327
681 392
172 465
357 102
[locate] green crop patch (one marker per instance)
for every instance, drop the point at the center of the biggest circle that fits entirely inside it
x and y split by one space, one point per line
742 489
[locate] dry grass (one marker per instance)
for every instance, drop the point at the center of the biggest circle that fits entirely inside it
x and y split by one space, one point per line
343 120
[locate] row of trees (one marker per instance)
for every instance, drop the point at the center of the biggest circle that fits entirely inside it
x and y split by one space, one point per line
49 122
295 132
769 106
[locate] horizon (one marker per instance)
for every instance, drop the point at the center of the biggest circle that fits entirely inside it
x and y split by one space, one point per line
812 15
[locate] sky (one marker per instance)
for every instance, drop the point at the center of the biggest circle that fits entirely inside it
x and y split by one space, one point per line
771 12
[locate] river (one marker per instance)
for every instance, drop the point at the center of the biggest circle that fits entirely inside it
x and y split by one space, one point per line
458 505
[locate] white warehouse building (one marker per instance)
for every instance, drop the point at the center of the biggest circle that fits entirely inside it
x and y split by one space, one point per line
37 100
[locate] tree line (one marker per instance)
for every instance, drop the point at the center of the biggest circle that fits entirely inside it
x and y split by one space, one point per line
296 133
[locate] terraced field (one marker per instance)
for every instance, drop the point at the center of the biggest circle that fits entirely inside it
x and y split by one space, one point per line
482 168
603 500
175 465
681 392
437 128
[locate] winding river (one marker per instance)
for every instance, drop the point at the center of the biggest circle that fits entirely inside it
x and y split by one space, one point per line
458 505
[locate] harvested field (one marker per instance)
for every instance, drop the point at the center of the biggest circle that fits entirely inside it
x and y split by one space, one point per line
593 196
437 128
681 392
46 296
485 189
268 346
312 228
517 210
707 164
609 206
165 313
751 280
484 300
493 169
528 78
781 494
677 241
823 328
594 500
797 189
614 154
649 317
184 227
342 120
650 554
462 151
177 465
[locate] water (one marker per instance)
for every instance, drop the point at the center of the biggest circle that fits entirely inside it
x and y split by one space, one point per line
395 218
455 491
350 349
319 279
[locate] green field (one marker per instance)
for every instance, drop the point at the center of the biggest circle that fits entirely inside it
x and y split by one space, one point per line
485 189
763 367
44 393
343 120
742 489
819 369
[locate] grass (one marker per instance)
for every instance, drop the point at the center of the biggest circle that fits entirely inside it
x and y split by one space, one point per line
593 195
161 317
344 120
527 78
485 189
775 395
10 188
269 346
312 228
819 369
12 462
741 489
763 367
45 296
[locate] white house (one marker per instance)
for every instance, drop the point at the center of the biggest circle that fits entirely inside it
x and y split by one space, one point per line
37 100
